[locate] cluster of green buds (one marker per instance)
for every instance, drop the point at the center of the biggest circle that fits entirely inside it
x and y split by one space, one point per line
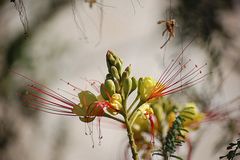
118 84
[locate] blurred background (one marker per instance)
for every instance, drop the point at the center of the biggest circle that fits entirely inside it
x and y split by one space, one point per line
52 39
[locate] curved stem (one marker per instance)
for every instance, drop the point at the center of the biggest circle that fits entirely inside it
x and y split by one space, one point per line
131 140
134 117
135 109
114 118
130 133
135 100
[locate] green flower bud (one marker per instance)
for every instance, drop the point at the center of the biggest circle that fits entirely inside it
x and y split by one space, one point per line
127 87
110 86
109 76
107 89
119 66
128 70
117 85
114 60
114 72
114 55
126 73
110 57
139 84
134 84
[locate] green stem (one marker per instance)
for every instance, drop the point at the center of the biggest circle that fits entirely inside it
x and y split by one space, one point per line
165 157
131 140
135 109
130 134
162 140
134 117
135 100
114 118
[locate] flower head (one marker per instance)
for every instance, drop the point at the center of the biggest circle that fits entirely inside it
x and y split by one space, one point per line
144 112
42 98
89 107
146 86
116 104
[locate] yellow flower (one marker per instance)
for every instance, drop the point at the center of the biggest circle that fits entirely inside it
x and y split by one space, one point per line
146 110
89 107
116 103
146 87
194 116
138 121
139 125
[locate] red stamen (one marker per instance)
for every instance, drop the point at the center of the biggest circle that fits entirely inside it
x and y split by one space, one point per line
94 84
70 84
62 106
54 95
74 95
166 71
35 82
152 128
100 105
44 101
42 110
169 82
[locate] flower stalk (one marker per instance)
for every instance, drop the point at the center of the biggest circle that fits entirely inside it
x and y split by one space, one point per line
132 143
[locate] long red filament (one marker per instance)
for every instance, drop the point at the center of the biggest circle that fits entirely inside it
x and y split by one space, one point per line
152 128
70 84
168 78
43 86
50 102
56 97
